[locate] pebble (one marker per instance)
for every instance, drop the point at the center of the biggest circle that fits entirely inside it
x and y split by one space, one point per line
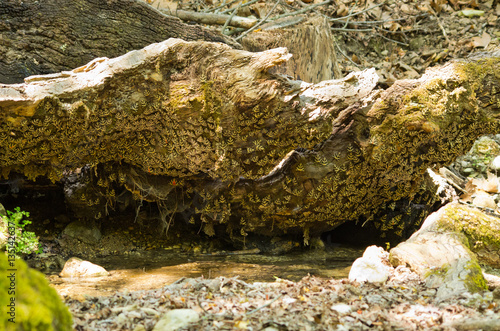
176 319
341 308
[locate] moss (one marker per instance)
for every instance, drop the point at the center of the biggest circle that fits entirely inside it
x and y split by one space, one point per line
37 305
438 272
478 227
474 280
476 71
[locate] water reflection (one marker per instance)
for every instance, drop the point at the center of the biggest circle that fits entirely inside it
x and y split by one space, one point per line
154 269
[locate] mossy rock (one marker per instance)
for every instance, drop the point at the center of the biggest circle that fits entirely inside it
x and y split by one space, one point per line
482 231
37 306
440 251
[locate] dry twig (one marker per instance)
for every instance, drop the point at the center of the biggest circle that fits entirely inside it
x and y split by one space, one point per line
258 24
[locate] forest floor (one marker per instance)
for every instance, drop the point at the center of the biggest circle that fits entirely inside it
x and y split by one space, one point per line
402 303
400 39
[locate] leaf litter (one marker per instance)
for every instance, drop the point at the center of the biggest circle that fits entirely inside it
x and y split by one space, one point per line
402 303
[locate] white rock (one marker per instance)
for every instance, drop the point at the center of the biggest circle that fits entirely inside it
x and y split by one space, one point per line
341 308
373 267
375 252
176 319
271 328
495 164
76 267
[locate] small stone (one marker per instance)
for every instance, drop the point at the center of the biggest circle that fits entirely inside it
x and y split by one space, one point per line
176 319
495 164
341 308
468 170
373 267
76 267
375 252
270 328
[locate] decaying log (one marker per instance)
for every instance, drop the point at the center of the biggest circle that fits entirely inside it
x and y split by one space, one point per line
42 37
203 128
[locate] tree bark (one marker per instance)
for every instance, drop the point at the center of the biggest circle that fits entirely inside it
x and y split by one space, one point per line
203 128
41 37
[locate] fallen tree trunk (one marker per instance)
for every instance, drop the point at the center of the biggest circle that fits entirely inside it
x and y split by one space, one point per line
205 129
41 37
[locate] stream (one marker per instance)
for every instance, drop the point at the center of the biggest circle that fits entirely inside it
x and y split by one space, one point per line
156 268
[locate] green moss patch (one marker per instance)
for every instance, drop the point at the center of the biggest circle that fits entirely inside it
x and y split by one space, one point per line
28 300
480 229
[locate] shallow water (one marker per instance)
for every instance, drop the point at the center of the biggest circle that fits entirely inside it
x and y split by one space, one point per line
154 269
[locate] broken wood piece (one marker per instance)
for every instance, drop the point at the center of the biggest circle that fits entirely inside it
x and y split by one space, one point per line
211 18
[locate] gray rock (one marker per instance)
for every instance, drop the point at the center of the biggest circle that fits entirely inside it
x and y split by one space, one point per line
176 319
76 267
88 233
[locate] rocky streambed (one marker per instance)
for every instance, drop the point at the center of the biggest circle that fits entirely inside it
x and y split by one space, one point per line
431 281
313 303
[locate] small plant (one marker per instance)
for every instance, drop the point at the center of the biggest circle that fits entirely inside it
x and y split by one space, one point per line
26 241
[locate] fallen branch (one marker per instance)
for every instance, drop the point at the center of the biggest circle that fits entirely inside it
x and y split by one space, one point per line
241 5
357 13
260 22
211 18
230 19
